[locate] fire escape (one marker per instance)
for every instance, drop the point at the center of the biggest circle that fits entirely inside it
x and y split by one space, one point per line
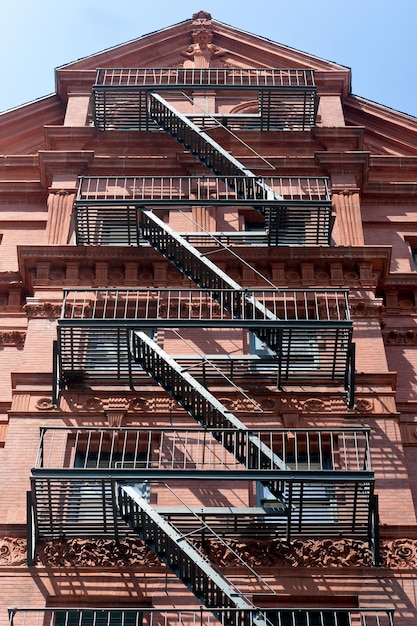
99 482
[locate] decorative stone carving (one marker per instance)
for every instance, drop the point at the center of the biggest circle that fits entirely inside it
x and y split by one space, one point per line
93 404
399 554
313 405
44 404
400 337
342 553
12 338
275 552
365 309
115 418
137 404
44 310
117 404
102 552
79 311
12 551
201 16
202 50
364 406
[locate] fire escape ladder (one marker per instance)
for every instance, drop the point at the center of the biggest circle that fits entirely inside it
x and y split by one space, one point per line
204 407
199 268
194 397
196 141
187 563
208 151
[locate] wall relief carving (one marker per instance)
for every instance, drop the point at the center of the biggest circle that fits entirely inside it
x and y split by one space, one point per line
400 338
12 338
44 310
12 551
396 554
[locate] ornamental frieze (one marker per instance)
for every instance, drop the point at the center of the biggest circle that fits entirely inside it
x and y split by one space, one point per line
43 310
343 553
12 338
400 337
365 309
395 554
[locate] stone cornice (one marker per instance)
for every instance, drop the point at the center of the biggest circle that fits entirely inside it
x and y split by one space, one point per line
355 162
336 82
70 161
69 80
400 280
73 134
390 192
403 165
339 138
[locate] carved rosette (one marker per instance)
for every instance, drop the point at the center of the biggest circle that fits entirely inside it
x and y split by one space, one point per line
399 554
44 404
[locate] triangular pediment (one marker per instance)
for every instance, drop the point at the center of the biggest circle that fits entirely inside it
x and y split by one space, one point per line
202 39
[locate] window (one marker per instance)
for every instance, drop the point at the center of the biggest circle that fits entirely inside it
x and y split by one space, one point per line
118 226
258 233
286 226
299 351
118 460
315 502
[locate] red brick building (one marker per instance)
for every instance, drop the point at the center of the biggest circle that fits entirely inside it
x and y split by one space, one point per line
208 341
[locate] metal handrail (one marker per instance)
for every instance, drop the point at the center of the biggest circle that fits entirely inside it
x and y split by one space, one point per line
87 616
338 449
295 78
214 189
295 305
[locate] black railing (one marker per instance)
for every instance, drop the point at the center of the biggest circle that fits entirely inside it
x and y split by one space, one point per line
336 449
137 616
287 97
138 190
196 77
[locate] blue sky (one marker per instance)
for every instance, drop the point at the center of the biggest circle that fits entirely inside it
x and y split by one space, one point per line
375 38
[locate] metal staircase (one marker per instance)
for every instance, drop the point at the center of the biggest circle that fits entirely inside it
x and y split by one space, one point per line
195 140
196 399
188 563
197 266
316 482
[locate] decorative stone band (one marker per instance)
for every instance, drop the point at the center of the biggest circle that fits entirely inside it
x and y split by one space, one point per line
43 310
401 337
396 554
12 338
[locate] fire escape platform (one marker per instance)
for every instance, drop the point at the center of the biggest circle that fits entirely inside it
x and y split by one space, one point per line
325 486
310 331
287 98
139 615
296 210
